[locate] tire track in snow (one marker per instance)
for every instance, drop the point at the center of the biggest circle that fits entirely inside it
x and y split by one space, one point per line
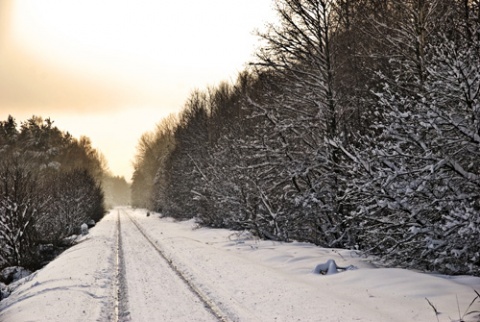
209 304
121 293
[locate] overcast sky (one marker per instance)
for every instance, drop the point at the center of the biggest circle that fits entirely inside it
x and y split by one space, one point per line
112 69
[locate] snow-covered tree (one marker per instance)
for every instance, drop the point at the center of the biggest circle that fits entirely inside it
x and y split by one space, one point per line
304 113
165 138
76 199
44 171
230 192
417 184
19 208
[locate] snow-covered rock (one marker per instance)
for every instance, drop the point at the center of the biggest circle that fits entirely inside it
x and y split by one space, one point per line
331 267
84 229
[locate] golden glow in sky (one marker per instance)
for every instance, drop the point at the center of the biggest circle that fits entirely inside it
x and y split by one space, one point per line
111 69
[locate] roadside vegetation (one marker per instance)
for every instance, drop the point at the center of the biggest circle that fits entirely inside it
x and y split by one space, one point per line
50 184
356 126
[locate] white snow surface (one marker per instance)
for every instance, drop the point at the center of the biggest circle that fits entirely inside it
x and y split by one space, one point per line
241 277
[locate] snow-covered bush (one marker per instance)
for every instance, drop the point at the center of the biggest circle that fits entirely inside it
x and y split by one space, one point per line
419 183
12 274
76 198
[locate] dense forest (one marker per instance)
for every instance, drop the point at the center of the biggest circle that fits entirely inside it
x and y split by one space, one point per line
50 184
357 125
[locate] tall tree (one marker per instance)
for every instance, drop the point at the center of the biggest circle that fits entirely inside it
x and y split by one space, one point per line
418 181
305 112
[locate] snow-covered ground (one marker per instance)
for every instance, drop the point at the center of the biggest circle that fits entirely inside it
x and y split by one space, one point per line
217 274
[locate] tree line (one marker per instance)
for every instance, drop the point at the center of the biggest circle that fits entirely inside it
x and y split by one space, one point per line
356 126
50 184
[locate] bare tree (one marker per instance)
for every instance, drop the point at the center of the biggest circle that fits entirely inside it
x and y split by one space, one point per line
19 207
304 111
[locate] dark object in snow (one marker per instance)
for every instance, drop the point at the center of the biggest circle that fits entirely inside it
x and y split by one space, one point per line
91 223
48 252
12 274
270 236
330 267
148 213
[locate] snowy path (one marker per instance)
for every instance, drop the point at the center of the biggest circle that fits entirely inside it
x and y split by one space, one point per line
137 268
245 290
252 280
155 291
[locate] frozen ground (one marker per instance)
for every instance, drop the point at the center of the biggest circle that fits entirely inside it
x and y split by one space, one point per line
137 268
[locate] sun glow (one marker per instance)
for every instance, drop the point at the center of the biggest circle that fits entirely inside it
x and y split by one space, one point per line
139 39
89 60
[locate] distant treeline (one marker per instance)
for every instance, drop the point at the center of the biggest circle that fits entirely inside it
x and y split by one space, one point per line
357 126
50 183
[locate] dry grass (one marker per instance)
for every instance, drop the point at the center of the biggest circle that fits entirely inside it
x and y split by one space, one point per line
461 317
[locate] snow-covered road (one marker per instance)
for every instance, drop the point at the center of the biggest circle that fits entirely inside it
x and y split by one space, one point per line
152 290
137 268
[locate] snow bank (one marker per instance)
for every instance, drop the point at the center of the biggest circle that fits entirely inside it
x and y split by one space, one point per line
76 286
276 282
